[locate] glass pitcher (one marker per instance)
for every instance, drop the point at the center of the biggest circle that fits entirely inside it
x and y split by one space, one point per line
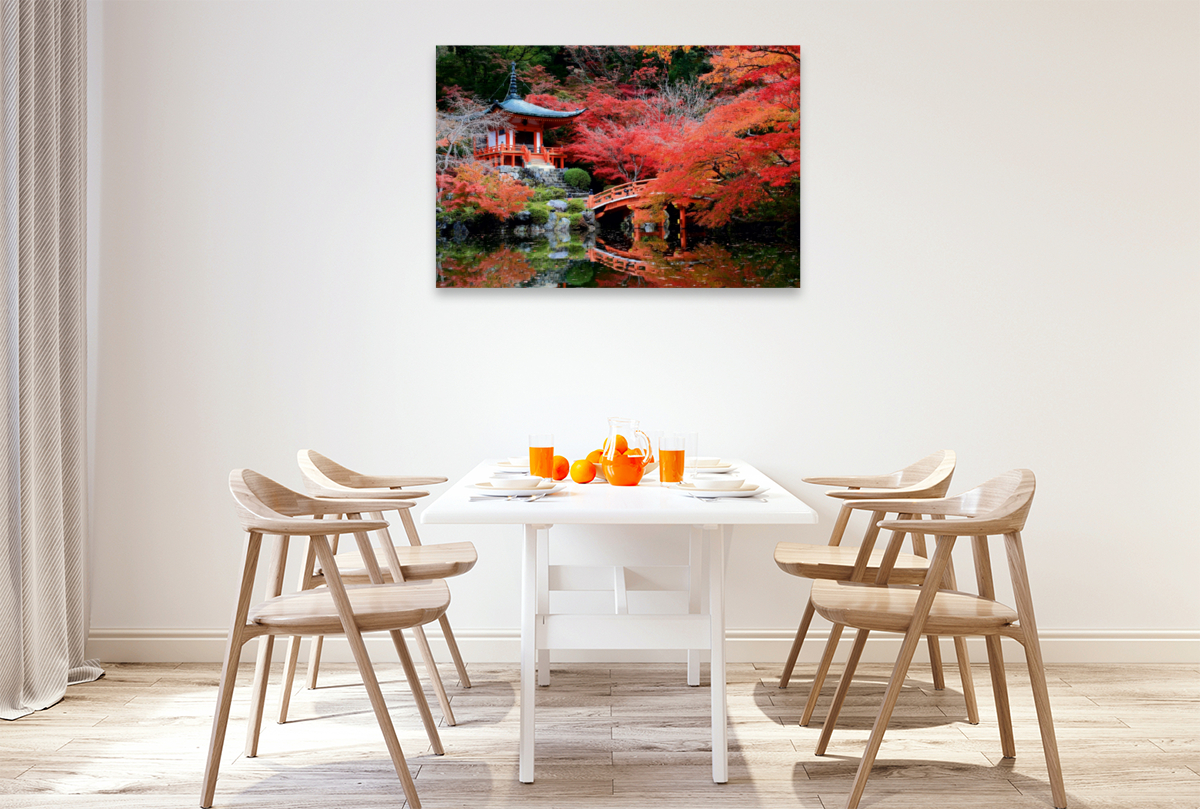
628 453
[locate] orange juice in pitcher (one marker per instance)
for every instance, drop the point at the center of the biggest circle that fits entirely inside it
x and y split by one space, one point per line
628 453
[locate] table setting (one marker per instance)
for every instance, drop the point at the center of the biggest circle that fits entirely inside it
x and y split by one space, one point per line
631 479
628 457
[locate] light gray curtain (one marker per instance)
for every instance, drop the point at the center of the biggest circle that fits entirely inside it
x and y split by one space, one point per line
43 496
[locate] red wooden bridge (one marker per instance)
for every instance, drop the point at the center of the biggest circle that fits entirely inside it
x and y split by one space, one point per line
619 196
622 196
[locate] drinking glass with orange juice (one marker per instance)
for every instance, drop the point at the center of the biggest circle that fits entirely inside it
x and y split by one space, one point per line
541 455
671 448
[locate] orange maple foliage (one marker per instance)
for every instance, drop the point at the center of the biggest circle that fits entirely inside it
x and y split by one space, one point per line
480 187
743 160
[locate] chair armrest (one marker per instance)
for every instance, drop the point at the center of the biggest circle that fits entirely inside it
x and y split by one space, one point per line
915 505
360 494
855 481
878 494
348 505
398 481
949 528
308 528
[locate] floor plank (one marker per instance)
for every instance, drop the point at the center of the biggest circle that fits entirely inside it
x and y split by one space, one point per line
610 736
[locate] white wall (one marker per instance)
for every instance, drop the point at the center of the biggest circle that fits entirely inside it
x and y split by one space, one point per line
1000 256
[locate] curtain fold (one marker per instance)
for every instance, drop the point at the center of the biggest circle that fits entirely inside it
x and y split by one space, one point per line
43 494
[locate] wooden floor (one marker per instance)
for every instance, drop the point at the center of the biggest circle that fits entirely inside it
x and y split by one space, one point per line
610 736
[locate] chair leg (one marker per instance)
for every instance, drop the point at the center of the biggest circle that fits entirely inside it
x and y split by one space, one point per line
964 658
262 666
314 661
293 649
414 684
968 682
790 663
367 671
835 634
912 638
435 677
464 679
1008 742
220 722
935 647
233 651
289 676
987 589
895 685
839 697
258 694
935 662
1037 669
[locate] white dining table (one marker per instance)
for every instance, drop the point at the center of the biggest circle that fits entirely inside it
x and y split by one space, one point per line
597 503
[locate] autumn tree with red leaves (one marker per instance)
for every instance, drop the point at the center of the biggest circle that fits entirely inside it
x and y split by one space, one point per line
743 161
478 188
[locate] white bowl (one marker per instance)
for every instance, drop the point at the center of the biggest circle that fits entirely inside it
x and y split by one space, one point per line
700 463
518 482
722 483
519 461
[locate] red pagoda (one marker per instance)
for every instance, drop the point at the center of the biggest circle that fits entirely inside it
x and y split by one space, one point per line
518 139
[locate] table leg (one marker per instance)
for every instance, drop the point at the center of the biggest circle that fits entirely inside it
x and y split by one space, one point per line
529 562
543 599
695 564
716 608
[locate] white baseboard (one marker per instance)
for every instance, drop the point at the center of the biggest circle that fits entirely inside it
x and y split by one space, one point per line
742 646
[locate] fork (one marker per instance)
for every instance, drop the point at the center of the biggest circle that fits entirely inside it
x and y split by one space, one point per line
715 499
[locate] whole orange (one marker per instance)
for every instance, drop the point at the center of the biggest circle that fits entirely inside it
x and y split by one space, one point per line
560 467
595 455
583 471
622 445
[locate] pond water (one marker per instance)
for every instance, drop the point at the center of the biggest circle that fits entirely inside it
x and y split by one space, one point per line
612 258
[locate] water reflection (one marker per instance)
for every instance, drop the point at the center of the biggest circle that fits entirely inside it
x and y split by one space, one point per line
614 259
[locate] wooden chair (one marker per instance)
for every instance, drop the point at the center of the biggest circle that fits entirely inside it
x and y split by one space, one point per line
928 477
406 563
998 507
265 507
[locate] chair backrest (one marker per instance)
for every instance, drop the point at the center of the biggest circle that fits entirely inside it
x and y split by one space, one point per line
322 473
999 506
324 477
266 507
1003 501
928 477
260 500
935 468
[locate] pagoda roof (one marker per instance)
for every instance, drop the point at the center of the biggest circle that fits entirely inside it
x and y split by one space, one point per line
515 105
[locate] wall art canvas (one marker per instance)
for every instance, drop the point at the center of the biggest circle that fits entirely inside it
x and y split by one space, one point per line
618 166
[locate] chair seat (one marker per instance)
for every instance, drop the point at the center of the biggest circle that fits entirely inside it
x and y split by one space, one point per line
376 607
889 608
837 563
417 562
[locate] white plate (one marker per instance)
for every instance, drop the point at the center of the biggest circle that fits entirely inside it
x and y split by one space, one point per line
497 488
747 490
708 465
709 470
509 466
